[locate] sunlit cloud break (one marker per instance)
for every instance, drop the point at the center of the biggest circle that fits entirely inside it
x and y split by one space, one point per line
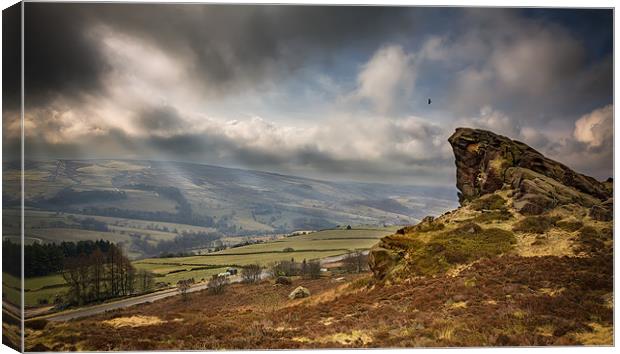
339 100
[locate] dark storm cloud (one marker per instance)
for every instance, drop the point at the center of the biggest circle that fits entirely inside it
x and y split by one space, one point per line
11 58
288 88
223 44
59 57
159 119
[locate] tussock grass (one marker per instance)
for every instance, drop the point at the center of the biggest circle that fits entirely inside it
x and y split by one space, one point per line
491 216
592 240
360 283
569 225
133 321
535 224
489 202
428 224
464 244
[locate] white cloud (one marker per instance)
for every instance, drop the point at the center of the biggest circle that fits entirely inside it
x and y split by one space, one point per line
389 76
596 127
434 48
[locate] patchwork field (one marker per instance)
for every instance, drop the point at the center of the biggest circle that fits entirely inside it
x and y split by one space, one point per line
309 246
315 245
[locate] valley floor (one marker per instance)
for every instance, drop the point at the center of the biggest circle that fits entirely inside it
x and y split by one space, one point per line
508 300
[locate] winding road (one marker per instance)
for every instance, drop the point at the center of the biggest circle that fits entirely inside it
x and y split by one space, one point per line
97 309
136 300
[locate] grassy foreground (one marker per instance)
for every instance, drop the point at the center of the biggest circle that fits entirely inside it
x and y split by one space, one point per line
508 300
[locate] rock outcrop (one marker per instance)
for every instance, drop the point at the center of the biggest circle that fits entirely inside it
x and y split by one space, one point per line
502 184
486 162
299 293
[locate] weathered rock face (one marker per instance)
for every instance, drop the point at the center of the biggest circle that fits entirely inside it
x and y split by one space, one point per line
485 162
500 181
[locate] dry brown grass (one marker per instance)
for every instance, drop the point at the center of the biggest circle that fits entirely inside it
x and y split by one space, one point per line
597 335
11 330
507 300
133 321
554 242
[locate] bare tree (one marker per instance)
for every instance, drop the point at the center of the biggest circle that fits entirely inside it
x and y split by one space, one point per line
303 269
128 279
113 270
145 280
99 275
355 261
251 273
97 258
217 284
76 274
285 268
182 287
314 270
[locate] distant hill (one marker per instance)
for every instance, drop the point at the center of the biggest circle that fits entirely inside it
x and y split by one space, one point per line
231 201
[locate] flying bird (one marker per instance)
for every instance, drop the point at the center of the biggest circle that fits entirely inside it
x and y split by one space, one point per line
429 101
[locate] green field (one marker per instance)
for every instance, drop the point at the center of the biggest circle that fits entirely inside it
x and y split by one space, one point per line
315 245
36 288
311 246
320 241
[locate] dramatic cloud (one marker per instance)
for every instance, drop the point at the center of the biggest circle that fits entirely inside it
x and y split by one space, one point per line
596 128
387 78
164 119
330 92
591 147
226 46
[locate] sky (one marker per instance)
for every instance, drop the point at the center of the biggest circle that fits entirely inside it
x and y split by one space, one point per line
329 92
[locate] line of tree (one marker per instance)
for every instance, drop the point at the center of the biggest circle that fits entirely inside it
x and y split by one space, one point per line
99 275
12 258
307 269
48 258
